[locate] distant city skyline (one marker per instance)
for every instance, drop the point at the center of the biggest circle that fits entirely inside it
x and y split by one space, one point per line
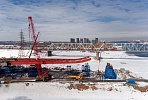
84 40
59 20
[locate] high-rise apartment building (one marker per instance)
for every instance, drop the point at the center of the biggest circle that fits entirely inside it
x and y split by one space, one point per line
81 40
96 40
78 41
72 40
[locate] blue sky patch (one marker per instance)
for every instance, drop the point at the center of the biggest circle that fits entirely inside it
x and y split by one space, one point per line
75 18
105 19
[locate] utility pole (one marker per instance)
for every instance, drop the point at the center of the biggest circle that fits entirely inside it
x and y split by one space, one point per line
21 50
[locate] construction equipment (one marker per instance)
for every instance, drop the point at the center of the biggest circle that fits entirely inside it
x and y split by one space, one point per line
38 61
34 47
33 35
109 72
86 70
78 77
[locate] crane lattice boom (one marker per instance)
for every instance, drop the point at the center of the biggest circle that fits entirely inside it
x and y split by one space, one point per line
33 35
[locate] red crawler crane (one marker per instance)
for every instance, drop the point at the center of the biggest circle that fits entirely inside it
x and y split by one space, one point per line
34 47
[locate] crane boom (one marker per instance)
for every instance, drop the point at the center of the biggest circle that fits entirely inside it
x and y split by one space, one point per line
33 35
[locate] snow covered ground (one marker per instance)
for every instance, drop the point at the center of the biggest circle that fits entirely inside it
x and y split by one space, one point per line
60 91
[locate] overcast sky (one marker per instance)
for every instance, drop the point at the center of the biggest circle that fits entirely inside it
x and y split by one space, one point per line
59 20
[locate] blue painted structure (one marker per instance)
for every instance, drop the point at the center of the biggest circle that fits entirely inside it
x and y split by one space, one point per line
86 70
130 81
32 72
17 71
110 73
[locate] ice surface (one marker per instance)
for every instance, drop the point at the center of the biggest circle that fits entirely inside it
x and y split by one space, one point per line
57 91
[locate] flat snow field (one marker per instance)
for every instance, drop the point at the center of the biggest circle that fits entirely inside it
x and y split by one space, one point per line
61 91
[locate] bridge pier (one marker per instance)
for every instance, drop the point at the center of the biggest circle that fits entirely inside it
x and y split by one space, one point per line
49 53
97 55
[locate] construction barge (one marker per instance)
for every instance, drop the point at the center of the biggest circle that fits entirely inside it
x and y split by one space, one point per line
11 74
